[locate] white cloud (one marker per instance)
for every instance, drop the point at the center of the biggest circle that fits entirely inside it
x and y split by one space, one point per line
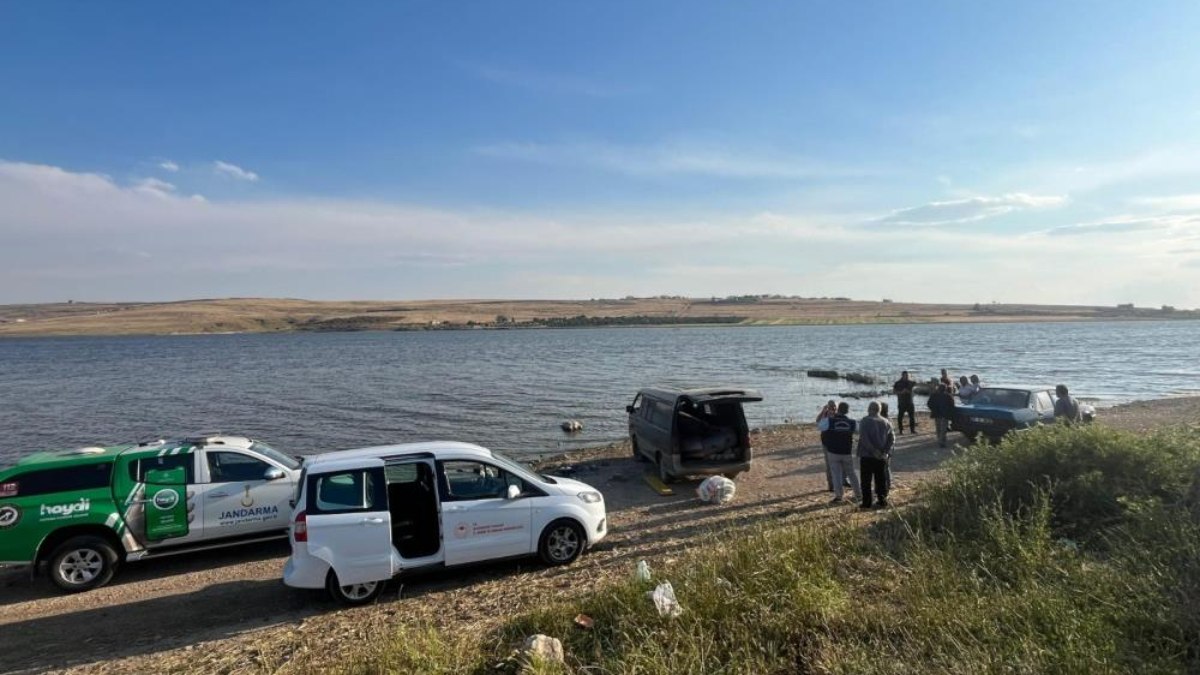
1187 202
54 221
669 159
154 187
972 209
168 165
234 171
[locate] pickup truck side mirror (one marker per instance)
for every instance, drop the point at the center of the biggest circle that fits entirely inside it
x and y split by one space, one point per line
273 473
629 409
513 492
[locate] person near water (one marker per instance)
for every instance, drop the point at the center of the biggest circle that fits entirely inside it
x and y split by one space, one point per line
903 388
883 412
1066 408
946 380
967 389
875 443
826 413
941 409
838 441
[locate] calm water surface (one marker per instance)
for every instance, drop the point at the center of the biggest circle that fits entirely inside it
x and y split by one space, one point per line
511 389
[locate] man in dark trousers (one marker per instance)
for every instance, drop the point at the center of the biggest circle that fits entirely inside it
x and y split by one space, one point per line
941 409
875 443
838 439
903 388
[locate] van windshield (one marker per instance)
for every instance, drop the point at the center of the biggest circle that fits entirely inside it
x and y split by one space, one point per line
522 468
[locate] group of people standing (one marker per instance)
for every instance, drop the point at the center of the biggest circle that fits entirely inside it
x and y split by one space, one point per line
876 440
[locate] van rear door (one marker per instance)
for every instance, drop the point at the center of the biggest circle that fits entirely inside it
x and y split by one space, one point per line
349 526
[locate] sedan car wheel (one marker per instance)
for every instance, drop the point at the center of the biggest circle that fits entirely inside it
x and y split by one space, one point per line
562 542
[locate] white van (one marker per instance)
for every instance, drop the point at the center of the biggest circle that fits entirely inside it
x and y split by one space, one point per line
363 516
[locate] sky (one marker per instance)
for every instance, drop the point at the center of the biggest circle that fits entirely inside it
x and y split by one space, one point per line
917 151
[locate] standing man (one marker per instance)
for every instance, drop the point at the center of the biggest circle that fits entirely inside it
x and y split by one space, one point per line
838 440
903 388
875 443
1066 408
941 409
967 389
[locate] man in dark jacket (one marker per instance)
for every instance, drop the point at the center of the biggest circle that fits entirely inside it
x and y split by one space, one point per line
838 440
875 444
941 409
903 388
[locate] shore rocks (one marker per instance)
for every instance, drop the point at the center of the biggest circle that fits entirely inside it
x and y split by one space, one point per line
857 378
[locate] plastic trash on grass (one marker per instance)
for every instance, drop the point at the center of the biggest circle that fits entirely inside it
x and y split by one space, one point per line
642 573
664 600
716 490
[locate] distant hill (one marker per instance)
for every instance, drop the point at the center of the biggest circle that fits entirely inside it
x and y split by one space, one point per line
265 315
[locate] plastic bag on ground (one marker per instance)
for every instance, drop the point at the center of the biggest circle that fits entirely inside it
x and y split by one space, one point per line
642 573
716 490
664 600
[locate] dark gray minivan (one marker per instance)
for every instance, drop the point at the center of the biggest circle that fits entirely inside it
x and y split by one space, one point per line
692 432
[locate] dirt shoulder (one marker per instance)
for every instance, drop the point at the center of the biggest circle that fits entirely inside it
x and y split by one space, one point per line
229 612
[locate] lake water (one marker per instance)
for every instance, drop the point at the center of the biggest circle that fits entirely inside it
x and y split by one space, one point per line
310 392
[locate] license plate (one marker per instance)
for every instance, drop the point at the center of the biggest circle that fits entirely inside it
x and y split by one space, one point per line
981 420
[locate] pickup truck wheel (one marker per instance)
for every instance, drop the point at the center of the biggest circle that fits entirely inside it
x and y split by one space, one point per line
971 436
83 563
561 543
353 594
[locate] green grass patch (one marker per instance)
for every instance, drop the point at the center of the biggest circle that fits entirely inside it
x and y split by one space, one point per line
1060 551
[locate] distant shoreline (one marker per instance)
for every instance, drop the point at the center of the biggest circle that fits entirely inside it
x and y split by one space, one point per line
257 315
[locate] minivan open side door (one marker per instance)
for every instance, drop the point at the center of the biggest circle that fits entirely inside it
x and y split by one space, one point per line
349 526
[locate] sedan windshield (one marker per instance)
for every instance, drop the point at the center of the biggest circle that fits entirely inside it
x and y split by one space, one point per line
1001 398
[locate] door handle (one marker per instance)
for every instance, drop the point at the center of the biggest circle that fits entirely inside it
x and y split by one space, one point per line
217 495
372 521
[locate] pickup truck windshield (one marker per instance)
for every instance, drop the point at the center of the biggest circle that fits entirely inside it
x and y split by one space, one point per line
267 451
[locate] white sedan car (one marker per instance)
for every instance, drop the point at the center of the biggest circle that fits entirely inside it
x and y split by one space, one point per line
363 516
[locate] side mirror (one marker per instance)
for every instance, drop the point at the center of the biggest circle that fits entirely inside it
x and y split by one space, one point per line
273 473
629 409
513 492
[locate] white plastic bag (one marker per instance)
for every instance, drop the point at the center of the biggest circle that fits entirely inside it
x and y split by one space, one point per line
716 490
664 600
642 573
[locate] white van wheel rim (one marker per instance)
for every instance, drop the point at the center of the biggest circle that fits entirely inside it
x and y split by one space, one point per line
81 566
359 591
563 542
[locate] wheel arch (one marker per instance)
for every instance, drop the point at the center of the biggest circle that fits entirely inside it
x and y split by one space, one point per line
54 539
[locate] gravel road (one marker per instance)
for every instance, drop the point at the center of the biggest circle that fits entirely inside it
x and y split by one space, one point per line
228 611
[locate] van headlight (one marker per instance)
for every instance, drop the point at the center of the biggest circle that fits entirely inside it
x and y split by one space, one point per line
590 497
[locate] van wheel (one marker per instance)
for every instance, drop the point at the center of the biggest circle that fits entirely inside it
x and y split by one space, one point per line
732 475
663 475
971 436
83 563
637 454
353 594
561 543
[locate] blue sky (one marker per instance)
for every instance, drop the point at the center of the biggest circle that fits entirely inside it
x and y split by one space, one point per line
960 152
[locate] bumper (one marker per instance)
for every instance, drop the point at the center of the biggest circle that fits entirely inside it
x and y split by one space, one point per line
595 521
305 571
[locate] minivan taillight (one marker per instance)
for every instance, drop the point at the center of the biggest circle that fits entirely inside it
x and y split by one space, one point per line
300 528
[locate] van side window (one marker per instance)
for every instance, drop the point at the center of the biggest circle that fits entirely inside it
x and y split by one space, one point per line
234 467
48 481
660 414
637 404
466 480
347 491
138 468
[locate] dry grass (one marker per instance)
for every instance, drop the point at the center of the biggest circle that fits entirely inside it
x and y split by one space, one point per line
258 315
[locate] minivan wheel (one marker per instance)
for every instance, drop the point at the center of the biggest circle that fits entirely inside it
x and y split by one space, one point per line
663 474
561 543
637 454
352 594
83 563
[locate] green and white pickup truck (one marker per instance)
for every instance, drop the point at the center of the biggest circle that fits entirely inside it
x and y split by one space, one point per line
79 514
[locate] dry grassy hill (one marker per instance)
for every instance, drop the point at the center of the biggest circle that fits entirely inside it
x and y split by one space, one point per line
258 315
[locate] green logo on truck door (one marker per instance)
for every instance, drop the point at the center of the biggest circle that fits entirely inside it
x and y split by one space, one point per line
166 504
